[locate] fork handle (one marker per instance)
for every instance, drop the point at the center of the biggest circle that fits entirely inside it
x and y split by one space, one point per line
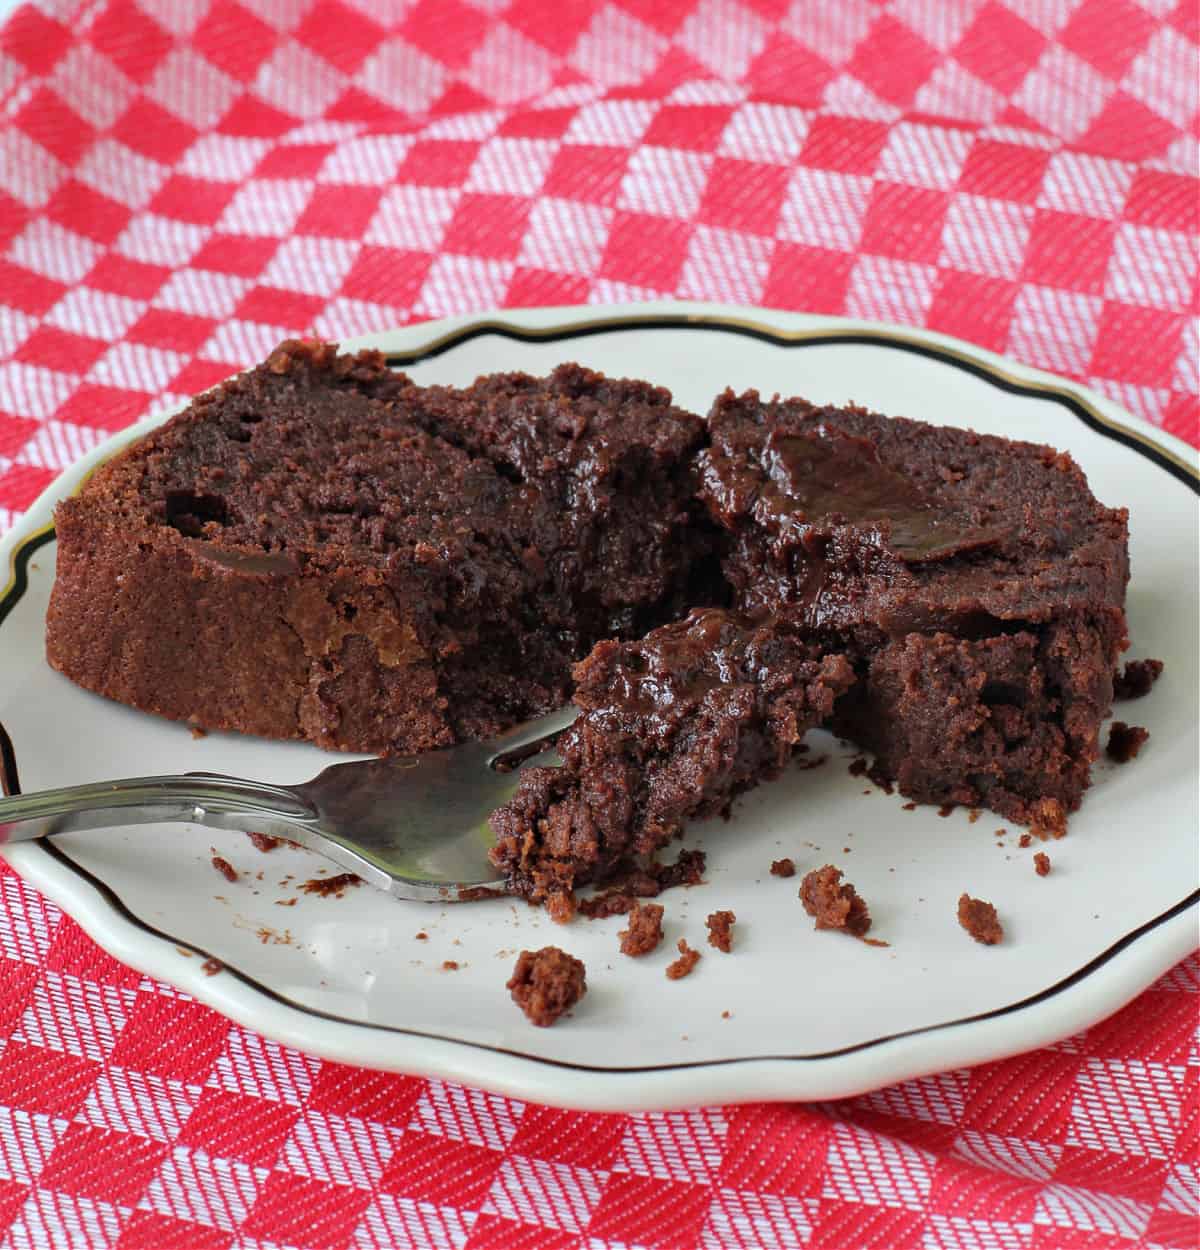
202 799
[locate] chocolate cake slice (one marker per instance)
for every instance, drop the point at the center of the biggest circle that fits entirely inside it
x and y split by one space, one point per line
976 582
672 728
320 549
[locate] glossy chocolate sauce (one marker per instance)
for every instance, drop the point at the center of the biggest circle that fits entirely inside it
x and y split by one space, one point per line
831 475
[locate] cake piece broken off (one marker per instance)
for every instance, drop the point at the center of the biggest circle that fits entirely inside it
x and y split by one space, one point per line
978 917
320 549
975 582
547 982
833 904
672 728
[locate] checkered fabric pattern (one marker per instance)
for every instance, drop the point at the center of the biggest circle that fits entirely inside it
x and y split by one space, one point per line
185 182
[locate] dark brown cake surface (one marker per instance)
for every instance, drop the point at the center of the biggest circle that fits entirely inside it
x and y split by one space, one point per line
320 549
672 728
975 581
855 519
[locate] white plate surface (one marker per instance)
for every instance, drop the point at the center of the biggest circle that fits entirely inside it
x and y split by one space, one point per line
810 1015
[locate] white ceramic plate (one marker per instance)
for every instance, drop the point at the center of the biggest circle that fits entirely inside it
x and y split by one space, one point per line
810 1015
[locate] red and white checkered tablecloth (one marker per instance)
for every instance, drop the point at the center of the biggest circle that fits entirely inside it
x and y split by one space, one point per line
185 182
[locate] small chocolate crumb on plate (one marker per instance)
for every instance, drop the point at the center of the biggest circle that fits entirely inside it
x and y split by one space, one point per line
783 868
979 918
1137 679
682 967
422 936
1125 741
645 930
833 905
265 842
720 930
449 965
1041 864
324 887
547 982
225 868
210 967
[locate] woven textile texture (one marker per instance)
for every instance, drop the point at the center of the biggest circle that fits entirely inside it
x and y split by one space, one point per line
185 182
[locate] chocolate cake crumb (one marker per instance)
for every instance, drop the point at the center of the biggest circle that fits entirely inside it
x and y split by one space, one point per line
946 809
561 906
979 919
449 965
1137 679
1049 819
645 930
1041 864
546 983
225 868
687 870
210 967
876 942
720 930
908 807
323 887
422 936
610 903
475 894
725 1015
881 777
197 733
687 960
972 815
265 841
1125 741
783 868
858 766
285 902
833 905
1026 839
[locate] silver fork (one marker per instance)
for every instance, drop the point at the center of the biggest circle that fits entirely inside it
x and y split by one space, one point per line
413 825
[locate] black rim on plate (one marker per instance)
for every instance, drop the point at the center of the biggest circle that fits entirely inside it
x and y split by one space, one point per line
1065 398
